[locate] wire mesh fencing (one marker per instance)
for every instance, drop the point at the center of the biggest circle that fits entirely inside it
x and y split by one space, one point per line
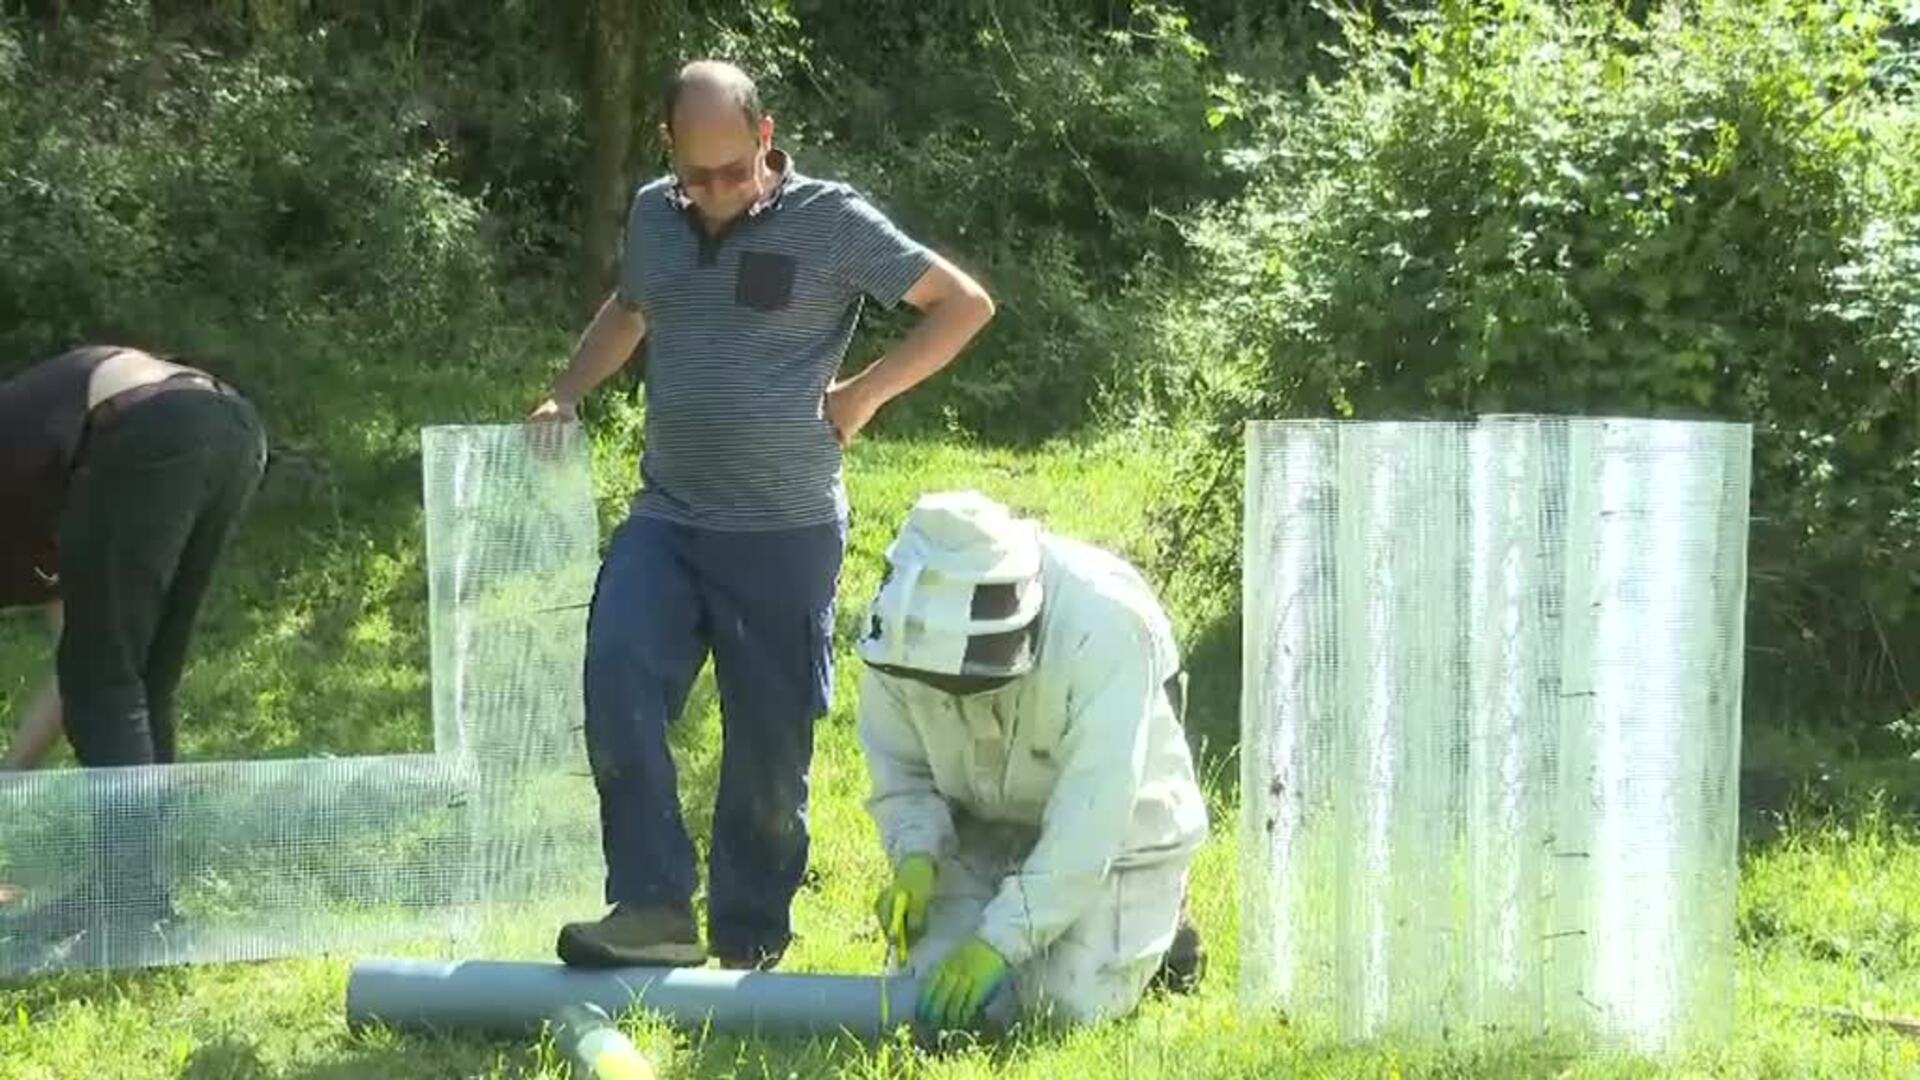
243 860
1490 726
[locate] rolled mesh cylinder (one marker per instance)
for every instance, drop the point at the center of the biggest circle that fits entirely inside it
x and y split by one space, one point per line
1397 790
1512 718
1490 725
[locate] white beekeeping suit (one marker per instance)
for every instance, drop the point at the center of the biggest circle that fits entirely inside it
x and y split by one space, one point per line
1061 804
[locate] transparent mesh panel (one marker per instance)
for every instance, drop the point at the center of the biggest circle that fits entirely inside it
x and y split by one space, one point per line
512 552
259 859
220 861
1491 725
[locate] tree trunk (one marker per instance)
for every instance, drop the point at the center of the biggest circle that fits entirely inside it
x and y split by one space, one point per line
627 42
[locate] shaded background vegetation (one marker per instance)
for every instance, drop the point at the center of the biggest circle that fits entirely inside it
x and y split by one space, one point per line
379 213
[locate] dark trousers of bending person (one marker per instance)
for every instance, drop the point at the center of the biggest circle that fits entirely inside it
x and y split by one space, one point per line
122 478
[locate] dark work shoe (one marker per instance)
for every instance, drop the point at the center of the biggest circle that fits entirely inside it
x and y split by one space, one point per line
1184 965
634 937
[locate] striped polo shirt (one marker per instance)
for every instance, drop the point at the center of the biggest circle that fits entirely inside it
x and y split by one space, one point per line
744 332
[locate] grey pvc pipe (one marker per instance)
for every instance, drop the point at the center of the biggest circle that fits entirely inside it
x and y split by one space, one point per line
516 998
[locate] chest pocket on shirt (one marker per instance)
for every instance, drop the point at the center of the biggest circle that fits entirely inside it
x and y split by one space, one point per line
765 280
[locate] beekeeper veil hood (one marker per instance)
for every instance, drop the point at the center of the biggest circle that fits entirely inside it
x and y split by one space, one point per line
961 593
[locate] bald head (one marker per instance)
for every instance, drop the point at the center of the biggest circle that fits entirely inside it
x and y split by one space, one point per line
706 86
719 138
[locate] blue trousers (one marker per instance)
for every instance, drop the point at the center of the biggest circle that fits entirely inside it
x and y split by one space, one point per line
762 603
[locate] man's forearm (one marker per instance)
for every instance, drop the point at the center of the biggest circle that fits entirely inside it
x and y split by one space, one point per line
40 725
39 729
605 346
928 347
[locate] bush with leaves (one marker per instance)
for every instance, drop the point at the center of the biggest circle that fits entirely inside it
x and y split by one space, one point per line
1523 206
276 190
1050 147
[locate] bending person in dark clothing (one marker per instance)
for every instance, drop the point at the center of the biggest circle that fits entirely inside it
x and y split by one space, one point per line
122 476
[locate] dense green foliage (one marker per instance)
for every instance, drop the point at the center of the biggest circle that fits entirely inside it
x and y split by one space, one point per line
194 191
1534 207
1055 152
1191 212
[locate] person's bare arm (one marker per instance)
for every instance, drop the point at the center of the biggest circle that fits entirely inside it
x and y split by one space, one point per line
607 343
40 724
956 308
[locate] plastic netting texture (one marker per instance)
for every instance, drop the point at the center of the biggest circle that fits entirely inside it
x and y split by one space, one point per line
1490 726
240 860
512 553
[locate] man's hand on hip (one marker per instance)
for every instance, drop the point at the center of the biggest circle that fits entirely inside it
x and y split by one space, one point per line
849 408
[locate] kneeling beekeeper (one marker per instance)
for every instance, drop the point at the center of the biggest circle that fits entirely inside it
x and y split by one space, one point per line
1021 719
122 476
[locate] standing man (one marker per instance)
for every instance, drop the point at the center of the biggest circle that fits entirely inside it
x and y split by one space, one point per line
1021 718
746 279
122 477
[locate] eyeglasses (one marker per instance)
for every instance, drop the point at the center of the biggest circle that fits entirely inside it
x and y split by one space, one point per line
732 174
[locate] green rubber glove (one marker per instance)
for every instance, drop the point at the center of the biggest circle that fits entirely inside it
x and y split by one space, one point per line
961 986
904 903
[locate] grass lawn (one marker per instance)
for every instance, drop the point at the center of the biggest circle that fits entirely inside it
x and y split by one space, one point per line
315 642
